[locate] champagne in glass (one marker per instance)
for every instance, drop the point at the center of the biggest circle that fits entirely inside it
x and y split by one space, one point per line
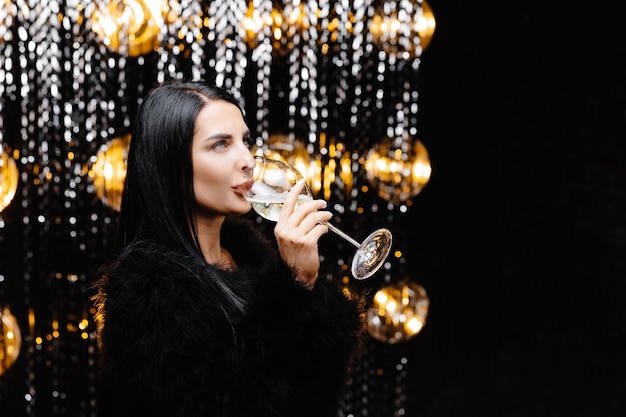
272 181
269 207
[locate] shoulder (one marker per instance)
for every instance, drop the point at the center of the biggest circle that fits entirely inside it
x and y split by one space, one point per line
149 271
148 258
150 282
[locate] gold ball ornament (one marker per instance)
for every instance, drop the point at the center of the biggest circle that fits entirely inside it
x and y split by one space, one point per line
403 28
108 172
398 175
10 339
130 27
9 176
398 312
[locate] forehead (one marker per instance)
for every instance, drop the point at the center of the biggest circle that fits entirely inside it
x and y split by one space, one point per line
218 116
217 109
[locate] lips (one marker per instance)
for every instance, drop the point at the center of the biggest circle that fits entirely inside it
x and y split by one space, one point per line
245 187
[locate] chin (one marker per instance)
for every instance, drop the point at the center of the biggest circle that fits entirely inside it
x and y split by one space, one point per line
245 208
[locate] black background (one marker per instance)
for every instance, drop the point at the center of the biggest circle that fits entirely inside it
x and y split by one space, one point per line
522 226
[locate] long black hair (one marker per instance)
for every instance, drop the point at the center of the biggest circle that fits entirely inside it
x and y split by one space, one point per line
158 197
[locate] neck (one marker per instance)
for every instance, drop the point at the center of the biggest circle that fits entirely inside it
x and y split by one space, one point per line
210 243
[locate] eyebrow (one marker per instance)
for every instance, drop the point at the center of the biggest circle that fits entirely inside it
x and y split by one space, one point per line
215 136
218 136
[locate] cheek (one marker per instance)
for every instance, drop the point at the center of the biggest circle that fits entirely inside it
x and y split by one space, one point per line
201 180
207 182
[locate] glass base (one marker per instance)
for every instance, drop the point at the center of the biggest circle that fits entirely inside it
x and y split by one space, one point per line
372 254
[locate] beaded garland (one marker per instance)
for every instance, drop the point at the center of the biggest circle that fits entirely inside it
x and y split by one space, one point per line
64 94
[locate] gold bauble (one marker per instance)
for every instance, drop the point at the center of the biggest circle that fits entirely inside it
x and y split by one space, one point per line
130 27
397 174
10 339
403 29
398 312
9 176
108 172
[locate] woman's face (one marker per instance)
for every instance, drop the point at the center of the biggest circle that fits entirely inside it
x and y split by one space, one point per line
222 162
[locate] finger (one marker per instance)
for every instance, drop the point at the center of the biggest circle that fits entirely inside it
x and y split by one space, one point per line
316 232
312 219
305 209
298 226
291 199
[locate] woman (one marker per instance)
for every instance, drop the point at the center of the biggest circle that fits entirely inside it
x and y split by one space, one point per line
199 314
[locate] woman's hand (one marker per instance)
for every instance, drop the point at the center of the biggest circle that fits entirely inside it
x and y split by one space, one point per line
297 232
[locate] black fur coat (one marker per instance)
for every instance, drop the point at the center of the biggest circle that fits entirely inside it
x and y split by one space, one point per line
180 338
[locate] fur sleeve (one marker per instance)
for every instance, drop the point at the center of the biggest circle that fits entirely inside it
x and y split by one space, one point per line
295 344
298 343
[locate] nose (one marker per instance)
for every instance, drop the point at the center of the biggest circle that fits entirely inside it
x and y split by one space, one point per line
249 162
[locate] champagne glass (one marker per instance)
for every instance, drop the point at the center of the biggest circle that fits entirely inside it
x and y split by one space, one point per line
272 181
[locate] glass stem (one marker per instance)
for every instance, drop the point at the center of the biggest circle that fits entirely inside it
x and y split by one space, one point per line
335 230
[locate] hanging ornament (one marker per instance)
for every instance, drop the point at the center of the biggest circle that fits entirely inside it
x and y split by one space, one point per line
286 24
129 27
9 176
261 19
10 339
398 312
426 25
109 171
403 28
398 172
